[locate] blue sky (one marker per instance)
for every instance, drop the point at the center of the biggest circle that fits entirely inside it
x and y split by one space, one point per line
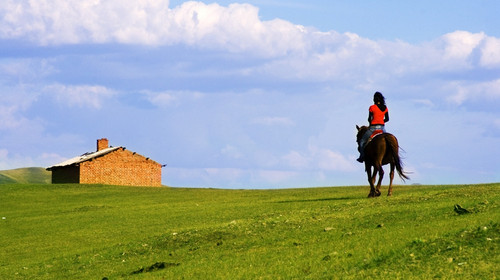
255 94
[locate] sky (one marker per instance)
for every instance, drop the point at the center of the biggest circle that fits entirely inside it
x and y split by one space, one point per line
253 94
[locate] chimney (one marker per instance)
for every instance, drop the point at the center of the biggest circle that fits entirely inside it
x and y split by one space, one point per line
102 144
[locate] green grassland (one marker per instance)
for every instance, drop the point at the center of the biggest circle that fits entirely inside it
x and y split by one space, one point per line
98 232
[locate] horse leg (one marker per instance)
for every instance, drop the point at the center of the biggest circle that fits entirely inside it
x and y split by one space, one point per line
370 180
374 177
391 176
380 177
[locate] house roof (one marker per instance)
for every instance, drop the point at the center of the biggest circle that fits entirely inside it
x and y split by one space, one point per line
85 157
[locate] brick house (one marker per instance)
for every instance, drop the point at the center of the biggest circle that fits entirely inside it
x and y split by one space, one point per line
110 166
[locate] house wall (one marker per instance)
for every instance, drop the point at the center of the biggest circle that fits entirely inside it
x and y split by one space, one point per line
66 175
121 167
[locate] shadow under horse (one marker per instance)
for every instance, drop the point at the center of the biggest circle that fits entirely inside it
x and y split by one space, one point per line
381 150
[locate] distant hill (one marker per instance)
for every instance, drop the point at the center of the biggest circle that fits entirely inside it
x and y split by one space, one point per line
29 175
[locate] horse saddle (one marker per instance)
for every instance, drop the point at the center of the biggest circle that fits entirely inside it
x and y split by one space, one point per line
375 133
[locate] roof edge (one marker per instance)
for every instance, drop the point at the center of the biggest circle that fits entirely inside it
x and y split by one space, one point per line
84 157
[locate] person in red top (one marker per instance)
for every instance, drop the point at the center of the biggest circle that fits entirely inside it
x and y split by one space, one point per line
377 117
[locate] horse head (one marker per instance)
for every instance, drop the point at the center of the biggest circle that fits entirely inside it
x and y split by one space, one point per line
361 132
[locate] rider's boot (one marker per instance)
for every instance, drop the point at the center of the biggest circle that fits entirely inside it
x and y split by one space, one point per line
361 155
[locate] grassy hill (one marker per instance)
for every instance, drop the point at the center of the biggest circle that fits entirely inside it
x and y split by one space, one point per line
93 232
30 175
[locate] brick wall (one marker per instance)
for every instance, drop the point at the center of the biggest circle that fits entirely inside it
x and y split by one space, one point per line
121 167
102 144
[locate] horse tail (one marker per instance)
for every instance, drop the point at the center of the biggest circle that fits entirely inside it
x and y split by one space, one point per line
394 150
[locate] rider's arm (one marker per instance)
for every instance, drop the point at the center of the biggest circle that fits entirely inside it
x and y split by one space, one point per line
386 117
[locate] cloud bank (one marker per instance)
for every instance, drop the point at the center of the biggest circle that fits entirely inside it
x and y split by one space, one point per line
236 28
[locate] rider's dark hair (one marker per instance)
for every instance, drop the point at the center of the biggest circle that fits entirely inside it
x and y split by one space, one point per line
379 100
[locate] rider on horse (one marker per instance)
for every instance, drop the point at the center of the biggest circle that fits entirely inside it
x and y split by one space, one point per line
377 117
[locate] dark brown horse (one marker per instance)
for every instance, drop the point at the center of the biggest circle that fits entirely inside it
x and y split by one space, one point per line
381 150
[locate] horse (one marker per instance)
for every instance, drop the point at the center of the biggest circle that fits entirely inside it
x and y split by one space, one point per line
381 150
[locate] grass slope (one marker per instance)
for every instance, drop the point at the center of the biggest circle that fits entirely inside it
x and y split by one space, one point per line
93 232
30 175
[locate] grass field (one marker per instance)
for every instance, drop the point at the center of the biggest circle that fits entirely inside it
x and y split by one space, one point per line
99 232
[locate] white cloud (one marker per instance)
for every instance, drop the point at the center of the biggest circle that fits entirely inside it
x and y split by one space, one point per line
170 98
297 160
276 176
490 52
482 91
226 177
364 63
25 70
229 174
316 158
424 102
9 160
160 99
333 161
14 103
235 28
79 95
74 21
9 117
330 57
462 50
460 44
